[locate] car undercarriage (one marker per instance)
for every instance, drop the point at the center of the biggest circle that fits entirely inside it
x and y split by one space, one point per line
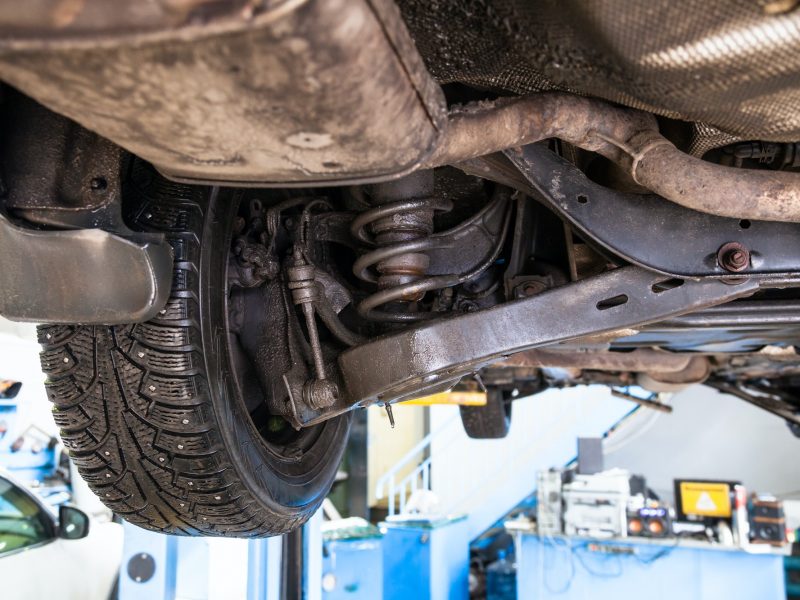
241 220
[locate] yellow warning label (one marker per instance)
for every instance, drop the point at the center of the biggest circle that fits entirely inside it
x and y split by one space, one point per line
705 499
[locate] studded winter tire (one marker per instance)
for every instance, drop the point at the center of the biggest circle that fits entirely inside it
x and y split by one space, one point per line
153 414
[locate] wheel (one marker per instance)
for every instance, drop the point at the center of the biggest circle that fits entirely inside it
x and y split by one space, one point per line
490 421
153 414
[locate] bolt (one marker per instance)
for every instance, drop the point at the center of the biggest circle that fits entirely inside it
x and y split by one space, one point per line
733 257
530 288
468 306
320 393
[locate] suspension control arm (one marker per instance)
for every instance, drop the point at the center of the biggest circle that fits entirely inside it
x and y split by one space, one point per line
406 364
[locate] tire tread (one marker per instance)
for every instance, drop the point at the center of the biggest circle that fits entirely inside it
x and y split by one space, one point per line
133 405
491 421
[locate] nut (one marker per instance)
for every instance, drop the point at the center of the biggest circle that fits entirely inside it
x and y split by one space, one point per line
530 287
320 393
733 257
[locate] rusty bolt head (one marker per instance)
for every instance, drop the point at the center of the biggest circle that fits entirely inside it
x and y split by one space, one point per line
530 287
733 257
321 393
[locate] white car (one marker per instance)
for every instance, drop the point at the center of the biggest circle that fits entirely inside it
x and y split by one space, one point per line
47 555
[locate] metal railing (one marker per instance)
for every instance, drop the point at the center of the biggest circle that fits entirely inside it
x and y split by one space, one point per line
399 491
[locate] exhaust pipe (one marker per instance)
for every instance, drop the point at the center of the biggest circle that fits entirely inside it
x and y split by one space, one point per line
627 137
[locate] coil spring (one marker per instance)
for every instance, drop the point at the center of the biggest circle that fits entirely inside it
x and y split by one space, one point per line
401 234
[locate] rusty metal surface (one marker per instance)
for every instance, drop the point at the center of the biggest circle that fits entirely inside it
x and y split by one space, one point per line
482 128
734 257
629 138
329 90
608 217
259 92
639 360
232 106
398 225
61 22
409 362
715 189
696 370
428 261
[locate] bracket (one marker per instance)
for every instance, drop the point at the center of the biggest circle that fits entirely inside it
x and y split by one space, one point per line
643 229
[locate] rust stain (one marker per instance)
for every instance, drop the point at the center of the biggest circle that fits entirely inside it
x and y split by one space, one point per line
66 11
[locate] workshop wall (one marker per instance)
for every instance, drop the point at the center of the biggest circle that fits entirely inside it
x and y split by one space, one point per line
386 446
486 478
712 435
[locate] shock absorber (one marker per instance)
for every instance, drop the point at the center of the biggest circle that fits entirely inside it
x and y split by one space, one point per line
399 228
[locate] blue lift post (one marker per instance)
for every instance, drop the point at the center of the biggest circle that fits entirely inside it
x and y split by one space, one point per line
352 564
301 564
149 565
426 559
263 569
165 567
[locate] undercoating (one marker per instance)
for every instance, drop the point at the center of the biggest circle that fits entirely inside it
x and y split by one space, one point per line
729 64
